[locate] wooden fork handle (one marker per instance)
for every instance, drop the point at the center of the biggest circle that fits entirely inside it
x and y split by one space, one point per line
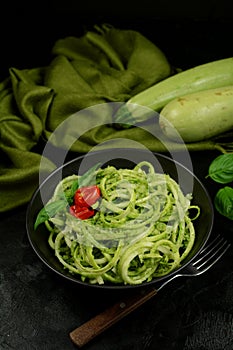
96 325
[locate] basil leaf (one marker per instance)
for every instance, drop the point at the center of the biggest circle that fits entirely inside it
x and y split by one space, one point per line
48 211
221 168
71 192
224 202
87 178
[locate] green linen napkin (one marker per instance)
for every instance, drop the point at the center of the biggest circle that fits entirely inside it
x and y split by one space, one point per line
104 65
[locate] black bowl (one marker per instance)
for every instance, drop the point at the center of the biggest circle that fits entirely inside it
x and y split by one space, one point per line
120 158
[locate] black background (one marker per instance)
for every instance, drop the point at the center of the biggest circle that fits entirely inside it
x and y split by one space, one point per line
189 32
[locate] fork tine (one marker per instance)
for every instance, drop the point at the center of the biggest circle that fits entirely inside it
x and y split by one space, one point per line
212 257
209 248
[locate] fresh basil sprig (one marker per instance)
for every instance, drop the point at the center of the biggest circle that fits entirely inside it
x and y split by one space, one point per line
221 168
52 208
88 177
224 202
221 171
68 195
49 210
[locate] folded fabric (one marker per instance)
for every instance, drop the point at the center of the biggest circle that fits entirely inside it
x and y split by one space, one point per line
106 65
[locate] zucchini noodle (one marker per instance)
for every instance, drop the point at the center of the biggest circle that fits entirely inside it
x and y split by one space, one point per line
141 228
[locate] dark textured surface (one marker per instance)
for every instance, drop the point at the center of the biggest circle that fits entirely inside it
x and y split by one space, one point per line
38 309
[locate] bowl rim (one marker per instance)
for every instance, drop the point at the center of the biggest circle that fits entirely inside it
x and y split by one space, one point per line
155 281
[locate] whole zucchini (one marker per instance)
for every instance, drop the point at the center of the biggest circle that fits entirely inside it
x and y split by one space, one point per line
206 76
198 116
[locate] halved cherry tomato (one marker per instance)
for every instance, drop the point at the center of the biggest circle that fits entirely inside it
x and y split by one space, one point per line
86 196
81 213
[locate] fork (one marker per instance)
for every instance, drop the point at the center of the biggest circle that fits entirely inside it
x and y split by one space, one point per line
208 256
